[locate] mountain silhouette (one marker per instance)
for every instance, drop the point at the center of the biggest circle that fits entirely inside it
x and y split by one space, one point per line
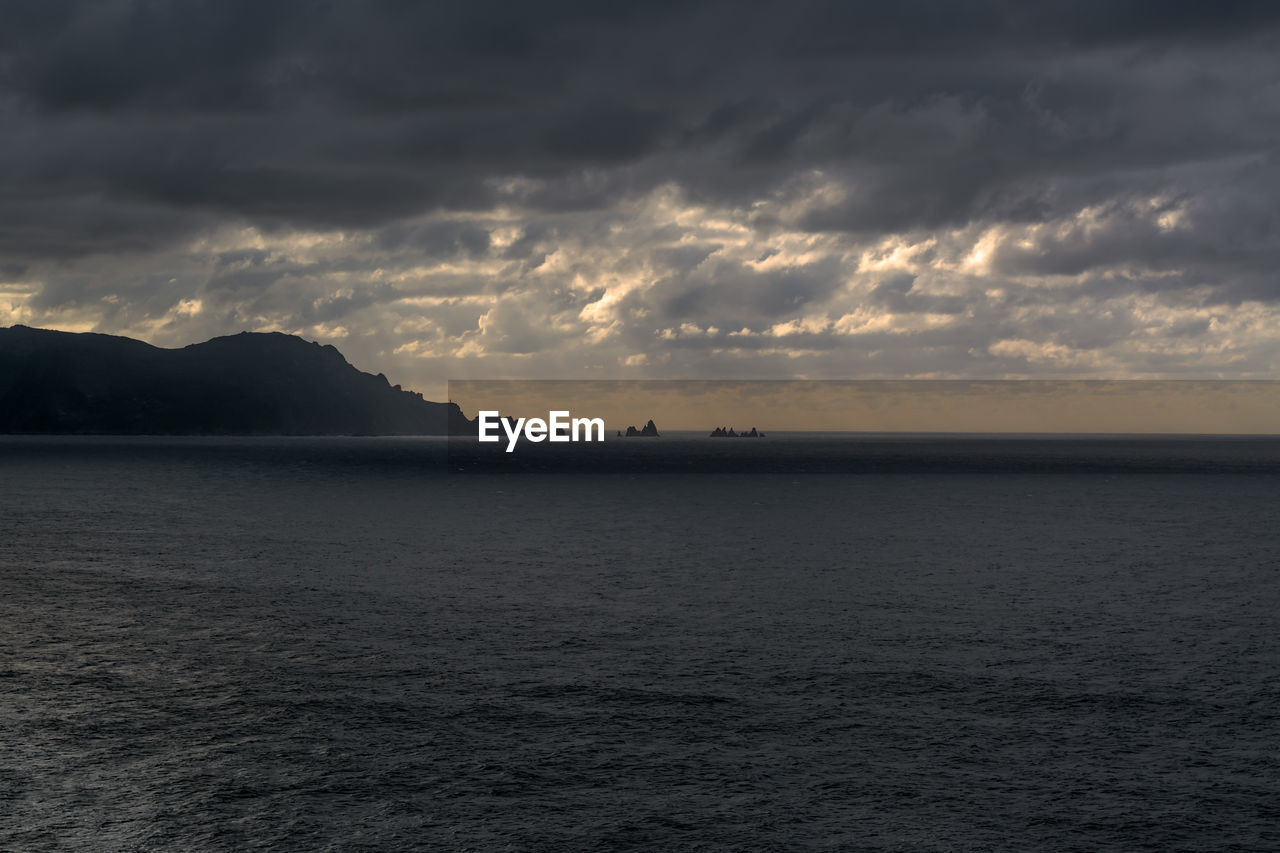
245 384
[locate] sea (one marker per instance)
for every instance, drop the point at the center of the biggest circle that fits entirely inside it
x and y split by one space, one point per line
802 642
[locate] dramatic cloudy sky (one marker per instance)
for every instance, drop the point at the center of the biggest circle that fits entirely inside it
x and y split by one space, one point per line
1084 188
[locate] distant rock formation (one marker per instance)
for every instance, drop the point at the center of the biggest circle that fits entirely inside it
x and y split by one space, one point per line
649 431
727 432
246 384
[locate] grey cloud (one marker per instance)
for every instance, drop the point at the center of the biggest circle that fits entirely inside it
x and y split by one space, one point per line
436 240
731 296
898 294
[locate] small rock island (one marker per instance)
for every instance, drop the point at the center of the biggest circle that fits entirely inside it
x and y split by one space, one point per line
728 432
650 430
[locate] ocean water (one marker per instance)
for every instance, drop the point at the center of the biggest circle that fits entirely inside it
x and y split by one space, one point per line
376 644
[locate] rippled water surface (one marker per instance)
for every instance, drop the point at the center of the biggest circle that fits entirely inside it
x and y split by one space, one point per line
334 644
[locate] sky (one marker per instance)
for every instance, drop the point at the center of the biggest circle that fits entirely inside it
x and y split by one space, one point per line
586 190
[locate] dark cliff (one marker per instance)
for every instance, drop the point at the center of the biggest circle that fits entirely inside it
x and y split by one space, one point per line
246 384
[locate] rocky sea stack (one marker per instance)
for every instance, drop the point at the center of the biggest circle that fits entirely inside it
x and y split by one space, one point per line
650 430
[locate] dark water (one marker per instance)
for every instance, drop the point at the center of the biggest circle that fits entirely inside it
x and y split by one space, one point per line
333 644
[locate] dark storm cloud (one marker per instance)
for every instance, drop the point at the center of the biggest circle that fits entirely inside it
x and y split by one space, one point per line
355 113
